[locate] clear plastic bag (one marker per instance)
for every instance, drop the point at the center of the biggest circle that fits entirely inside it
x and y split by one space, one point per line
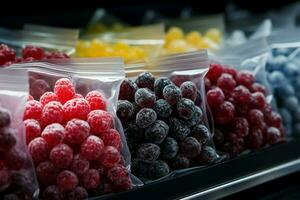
167 128
17 175
93 136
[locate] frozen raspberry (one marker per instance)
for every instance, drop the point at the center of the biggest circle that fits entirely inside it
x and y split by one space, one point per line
259 100
240 126
241 95
190 147
52 113
78 96
214 72
178 129
4 178
148 152
53 134
39 150
274 119
58 55
172 94
124 109
112 137
189 90
201 133
61 156
226 82
4 117
215 97
15 159
159 86
158 169
218 137
235 139
33 129
255 139
64 89
224 113
48 97
208 155
144 98
92 147
80 164
46 173
233 72
33 110
256 119
90 179
66 181
179 79
145 80
77 131
7 139
52 192
145 117
127 90
38 87
119 178
273 135
162 108
196 117
169 148
6 54
245 78
180 162
110 157
79 193
156 132
99 121
96 100
256 87
34 52
29 98
185 108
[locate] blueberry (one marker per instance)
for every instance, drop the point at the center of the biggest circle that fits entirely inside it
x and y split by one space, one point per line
145 98
291 103
148 152
162 108
169 148
296 130
145 117
286 115
159 86
291 69
185 108
288 130
296 115
140 168
196 118
201 133
134 136
180 162
208 155
158 169
218 137
279 62
172 94
189 90
190 147
157 132
178 129
4 117
124 109
284 90
277 78
127 90
145 80
282 51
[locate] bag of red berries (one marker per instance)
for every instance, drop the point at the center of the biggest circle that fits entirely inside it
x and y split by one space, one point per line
17 176
73 135
162 107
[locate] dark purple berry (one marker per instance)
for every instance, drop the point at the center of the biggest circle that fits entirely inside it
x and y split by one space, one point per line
21 180
169 148
52 193
124 109
159 86
178 129
38 88
208 155
140 168
134 136
15 159
79 193
196 117
148 152
180 162
185 108
190 147
162 108
201 133
145 98
145 117
127 90
158 169
11 197
4 117
218 137
145 80
172 94
189 90
157 132
7 139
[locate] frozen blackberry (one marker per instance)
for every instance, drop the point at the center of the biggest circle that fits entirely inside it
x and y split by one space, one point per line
148 152
189 90
172 94
140 168
169 148
162 108
159 86
158 169
180 162
196 117
178 129
4 117
145 117
185 108
145 80
157 132
208 155
145 98
190 147
127 90
201 133
124 109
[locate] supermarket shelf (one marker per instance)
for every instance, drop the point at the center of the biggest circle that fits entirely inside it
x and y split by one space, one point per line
225 178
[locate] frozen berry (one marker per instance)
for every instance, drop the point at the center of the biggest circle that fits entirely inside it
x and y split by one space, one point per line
190 147
112 137
208 155
46 173
34 52
79 193
64 89
78 96
224 113
52 192
127 90
61 156
38 87
226 82
240 126
178 129
215 97
162 108
53 134
33 110
15 159
39 150
76 131
4 178
7 139
92 147
207 84
140 168
172 94
119 178
110 157
99 121
148 152
189 90
158 169
180 162
259 100
4 117
196 117
48 97
145 117
255 118
241 95
274 119
169 148
76 108
124 109
185 108
245 78
90 179
156 132
179 79
256 87
214 72
201 133
145 98
30 98
255 139
159 86
6 54
231 71
273 135
145 80
66 181
80 164
134 136
52 113
218 137
33 129
96 99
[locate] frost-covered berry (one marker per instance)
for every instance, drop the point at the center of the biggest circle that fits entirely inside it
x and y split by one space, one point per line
159 86
145 80
190 147
162 108
201 133
189 90
148 152
145 117
172 94
66 181
185 108
127 90
178 129
156 132
158 169
61 156
124 109
169 148
144 98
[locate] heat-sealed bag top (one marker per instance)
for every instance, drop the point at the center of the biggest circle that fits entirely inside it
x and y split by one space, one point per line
162 107
80 147
17 176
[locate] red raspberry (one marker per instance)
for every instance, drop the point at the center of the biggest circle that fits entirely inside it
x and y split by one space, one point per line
236 140
110 157
38 88
256 119
214 72
77 131
102 170
256 87
29 98
48 97
6 54
240 126
224 113
274 119
231 71
53 134
79 193
76 108
99 121
92 147
64 89
52 113
241 95
112 137
4 178
215 97
33 129
255 139
96 100
77 95
80 164
273 135
119 177
15 159
39 150
52 193
61 156
90 179
226 82
46 173
33 110
34 52
259 100
58 55
66 181
245 78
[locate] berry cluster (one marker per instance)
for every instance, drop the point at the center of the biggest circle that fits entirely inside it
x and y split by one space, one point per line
29 53
163 123
241 114
73 144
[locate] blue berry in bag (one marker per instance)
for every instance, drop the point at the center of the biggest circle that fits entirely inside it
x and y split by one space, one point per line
145 80
169 148
185 108
172 94
124 109
190 147
291 103
159 86
284 90
196 117
145 117
145 98
291 69
156 132
148 152
178 129
158 169
208 155
140 168
201 133
277 78
189 90
127 90
4 117
180 162
162 108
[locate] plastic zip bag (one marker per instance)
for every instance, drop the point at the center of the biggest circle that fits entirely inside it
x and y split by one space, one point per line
17 176
165 132
93 141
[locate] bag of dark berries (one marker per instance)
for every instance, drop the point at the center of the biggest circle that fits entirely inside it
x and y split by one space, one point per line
162 107
17 176
75 140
